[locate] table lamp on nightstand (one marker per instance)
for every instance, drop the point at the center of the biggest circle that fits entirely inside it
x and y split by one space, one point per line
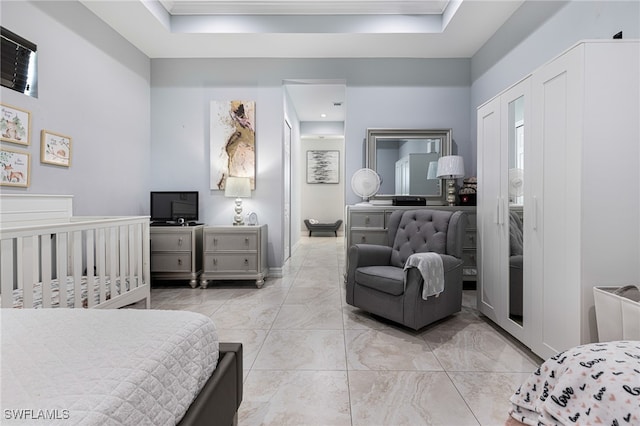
450 168
238 188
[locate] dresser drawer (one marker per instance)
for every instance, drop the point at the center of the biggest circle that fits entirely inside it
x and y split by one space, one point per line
469 258
367 220
469 240
170 242
230 242
230 262
369 237
171 262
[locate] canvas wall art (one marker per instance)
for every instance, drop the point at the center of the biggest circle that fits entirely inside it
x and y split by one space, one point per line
323 166
232 141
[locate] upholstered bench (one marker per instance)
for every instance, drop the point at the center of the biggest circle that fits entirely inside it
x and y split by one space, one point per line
323 227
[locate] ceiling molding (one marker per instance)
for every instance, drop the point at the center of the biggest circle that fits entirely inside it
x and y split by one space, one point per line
297 7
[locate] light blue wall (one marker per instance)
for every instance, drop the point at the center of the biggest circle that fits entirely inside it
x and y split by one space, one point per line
93 87
380 93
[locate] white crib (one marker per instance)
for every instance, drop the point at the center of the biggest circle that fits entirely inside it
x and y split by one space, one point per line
50 258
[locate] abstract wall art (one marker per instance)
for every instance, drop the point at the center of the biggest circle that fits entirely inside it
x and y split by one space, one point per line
323 166
232 141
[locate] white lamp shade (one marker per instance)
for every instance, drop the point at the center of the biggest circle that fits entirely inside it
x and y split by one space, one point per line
237 187
450 167
432 173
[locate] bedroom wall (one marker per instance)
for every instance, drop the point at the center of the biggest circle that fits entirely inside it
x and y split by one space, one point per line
380 93
94 87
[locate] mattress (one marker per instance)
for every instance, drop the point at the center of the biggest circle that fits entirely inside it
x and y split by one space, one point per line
69 292
103 367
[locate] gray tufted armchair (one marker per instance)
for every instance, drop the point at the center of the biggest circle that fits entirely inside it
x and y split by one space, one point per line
376 276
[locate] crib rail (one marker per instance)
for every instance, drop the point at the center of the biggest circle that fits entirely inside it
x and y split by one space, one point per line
98 260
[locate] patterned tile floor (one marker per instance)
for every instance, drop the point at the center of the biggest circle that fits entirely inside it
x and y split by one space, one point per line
311 359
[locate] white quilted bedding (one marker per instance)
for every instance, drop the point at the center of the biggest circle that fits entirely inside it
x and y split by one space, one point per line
102 367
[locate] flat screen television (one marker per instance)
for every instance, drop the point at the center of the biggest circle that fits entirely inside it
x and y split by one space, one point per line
171 206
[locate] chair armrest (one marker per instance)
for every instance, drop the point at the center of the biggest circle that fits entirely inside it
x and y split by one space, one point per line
369 255
450 263
366 255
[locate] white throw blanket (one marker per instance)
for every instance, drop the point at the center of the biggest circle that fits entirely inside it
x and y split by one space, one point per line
432 270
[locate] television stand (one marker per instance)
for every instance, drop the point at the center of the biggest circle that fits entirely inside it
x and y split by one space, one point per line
176 252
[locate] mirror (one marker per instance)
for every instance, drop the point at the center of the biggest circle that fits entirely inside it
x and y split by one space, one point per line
516 207
406 160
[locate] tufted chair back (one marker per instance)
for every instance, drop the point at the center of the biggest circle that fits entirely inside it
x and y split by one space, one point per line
424 230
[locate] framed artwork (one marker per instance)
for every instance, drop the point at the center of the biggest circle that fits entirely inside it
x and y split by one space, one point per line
232 142
323 166
55 149
16 167
15 125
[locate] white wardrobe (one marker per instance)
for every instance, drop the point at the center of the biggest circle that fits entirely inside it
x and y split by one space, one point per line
558 182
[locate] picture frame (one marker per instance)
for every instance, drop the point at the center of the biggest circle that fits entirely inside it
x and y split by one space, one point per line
55 148
15 125
15 168
323 166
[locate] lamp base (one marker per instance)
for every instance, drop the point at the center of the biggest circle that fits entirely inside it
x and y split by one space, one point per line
238 219
451 192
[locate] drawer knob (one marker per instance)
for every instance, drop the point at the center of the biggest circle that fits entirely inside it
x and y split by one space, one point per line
367 220
215 261
246 240
180 262
180 241
363 239
215 241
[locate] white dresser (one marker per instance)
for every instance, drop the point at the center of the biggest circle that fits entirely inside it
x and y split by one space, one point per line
234 253
176 253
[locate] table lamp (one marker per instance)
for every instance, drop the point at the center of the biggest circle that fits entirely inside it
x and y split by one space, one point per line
451 167
238 188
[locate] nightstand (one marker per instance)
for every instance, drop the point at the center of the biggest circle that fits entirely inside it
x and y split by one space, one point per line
234 253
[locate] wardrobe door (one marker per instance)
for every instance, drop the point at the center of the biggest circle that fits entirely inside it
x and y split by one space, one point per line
555 231
491 235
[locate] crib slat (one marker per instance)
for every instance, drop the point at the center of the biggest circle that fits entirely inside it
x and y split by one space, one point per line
91 276
26 259
61 267
113 259
6 279
132 257
122 264
77 268
45 269
101 245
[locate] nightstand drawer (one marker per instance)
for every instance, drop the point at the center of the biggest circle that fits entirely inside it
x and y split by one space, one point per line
171 262
234 242
367 220
170 242
231 262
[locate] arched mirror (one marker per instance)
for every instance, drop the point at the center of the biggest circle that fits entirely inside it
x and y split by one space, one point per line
406 160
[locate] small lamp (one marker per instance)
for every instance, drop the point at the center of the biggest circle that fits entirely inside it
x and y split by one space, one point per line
238 187
451 167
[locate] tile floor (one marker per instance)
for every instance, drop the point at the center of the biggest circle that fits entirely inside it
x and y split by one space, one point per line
311 359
